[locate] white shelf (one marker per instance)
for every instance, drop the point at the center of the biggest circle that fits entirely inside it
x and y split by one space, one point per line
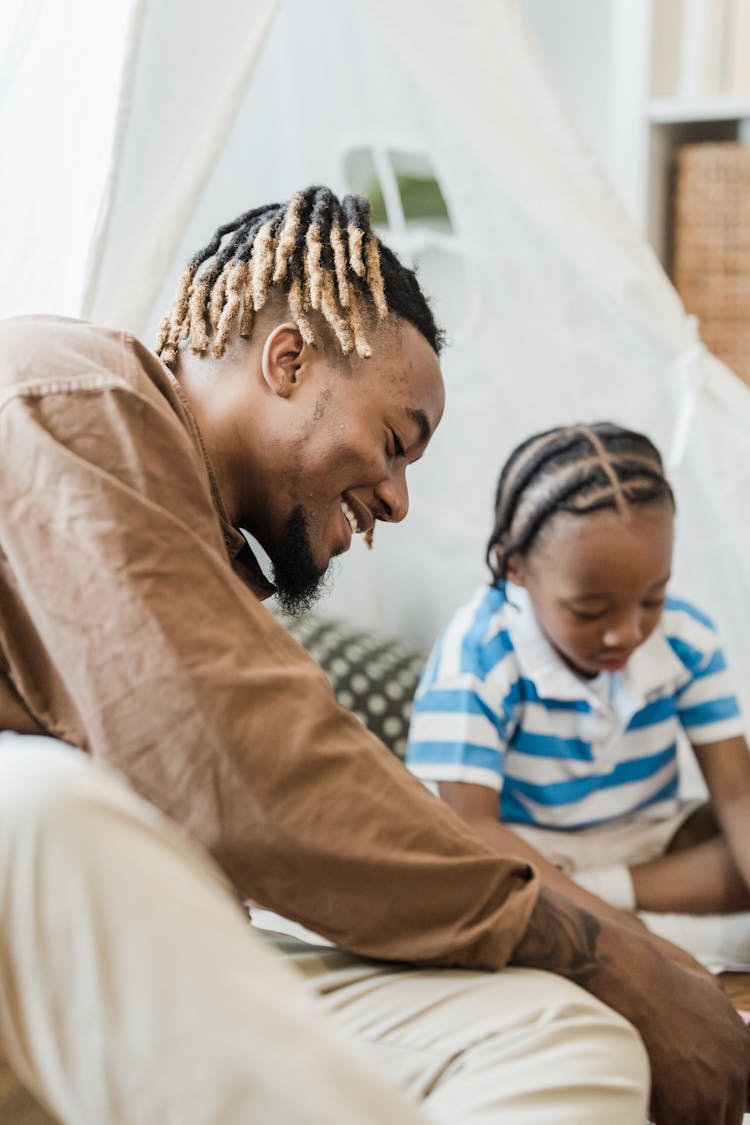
609 76
678 111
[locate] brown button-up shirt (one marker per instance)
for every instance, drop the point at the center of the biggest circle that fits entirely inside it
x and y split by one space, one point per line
131 627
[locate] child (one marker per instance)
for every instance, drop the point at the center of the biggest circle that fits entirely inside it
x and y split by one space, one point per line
551 708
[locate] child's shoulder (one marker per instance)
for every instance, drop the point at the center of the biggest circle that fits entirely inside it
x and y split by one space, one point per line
690 631
483 622
681 610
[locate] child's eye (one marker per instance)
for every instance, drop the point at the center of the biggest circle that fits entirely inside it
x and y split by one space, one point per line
583 615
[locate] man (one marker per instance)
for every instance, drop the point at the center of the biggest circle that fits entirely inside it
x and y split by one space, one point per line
298 380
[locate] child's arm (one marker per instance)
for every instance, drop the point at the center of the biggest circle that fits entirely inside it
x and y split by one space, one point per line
477 805
726 768
708 869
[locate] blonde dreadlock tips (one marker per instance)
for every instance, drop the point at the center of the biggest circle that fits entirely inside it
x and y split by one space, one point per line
287 239
328 307
197 313
361 344
375 277
234 285
263 256
162 332
216 301
171 328
247 320
339 261
312 266
354 236
324 257
297 309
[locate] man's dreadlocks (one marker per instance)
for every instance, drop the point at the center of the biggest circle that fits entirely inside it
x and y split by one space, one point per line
320 252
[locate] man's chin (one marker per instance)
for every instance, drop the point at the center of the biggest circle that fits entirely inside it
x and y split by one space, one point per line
298 598
300 579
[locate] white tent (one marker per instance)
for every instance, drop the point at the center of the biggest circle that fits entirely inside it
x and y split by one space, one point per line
138 126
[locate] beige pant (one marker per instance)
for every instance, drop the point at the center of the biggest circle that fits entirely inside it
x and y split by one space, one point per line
132 990
629 840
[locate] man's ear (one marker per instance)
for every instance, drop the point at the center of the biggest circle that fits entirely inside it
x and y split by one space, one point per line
515 570
284 357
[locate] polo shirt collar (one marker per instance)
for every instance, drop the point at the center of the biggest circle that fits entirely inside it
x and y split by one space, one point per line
653 670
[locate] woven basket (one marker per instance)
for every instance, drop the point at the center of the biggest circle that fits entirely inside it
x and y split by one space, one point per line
711 246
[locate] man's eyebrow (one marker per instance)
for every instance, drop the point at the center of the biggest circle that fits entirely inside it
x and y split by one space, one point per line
419 416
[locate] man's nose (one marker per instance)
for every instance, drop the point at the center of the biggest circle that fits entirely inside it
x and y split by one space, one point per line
392 496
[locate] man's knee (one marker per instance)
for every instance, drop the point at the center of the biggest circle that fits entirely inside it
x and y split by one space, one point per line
577 1041
79 816
533 1047
35 769
46 789
609 1042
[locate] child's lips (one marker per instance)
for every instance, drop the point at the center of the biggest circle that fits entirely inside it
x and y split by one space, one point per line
614 659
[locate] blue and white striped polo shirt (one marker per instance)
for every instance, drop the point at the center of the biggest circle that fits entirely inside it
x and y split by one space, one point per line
496 706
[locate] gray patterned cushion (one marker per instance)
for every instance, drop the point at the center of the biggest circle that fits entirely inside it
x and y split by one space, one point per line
372 675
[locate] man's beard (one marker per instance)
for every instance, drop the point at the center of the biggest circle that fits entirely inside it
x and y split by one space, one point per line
299 580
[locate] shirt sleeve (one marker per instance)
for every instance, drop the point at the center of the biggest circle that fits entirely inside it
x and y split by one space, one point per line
707 706
464 709
180 678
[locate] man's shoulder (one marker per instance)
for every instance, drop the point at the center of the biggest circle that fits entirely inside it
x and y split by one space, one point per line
39 338
43 354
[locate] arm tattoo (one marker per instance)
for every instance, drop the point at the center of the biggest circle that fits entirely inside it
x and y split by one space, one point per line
561 938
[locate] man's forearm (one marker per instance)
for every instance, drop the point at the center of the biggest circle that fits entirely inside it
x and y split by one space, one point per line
505 841
561 937
694 1077
564 938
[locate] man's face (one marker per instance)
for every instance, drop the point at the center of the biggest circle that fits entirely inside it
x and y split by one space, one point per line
356 428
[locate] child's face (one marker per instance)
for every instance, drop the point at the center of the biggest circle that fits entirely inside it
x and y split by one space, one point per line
597 583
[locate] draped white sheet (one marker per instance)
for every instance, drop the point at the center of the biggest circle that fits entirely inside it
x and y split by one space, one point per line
137 127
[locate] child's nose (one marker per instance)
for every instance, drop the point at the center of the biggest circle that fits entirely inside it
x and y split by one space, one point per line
626 632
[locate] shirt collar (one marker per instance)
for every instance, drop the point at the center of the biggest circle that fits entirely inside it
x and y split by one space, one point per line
653 669
245 564
537 659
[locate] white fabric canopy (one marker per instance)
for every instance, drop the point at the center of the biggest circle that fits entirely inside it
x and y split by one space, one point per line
138 133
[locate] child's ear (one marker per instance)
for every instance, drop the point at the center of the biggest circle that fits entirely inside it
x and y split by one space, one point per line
515 570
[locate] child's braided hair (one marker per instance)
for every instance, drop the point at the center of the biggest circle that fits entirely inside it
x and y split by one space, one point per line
578 469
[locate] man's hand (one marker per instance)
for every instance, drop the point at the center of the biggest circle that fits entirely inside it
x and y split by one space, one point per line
699 1050
698 1046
